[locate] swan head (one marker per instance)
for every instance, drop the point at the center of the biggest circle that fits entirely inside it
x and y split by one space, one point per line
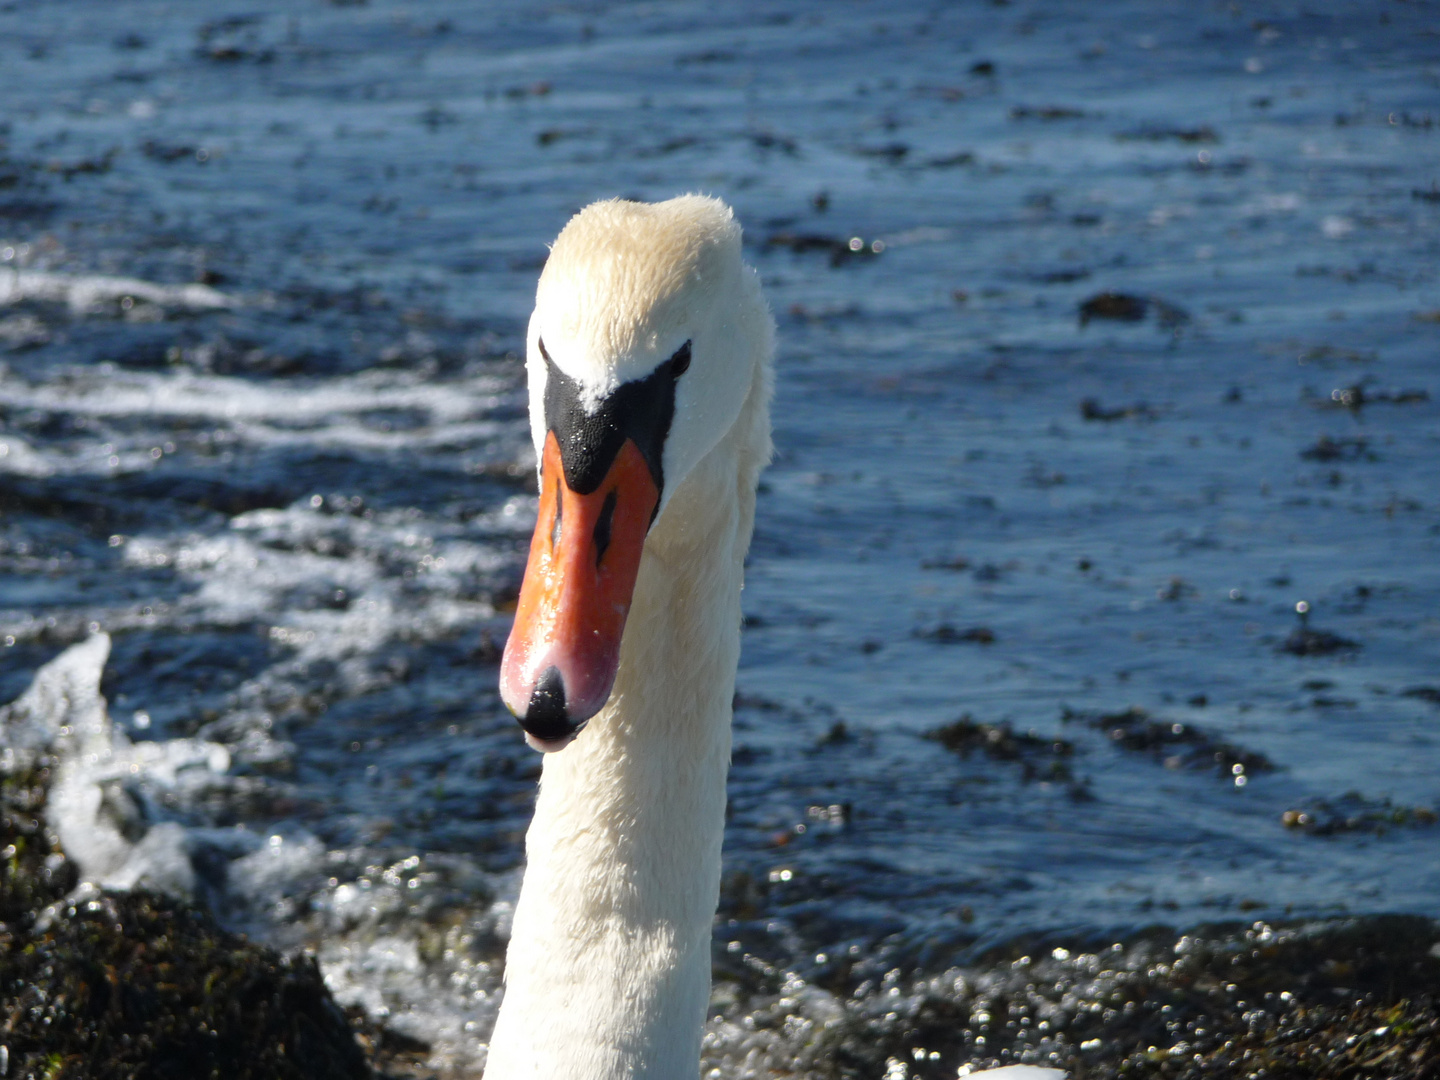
646 336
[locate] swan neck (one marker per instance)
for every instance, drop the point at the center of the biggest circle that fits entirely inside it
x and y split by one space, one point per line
608 970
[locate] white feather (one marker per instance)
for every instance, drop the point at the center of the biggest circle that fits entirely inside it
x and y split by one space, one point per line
608 970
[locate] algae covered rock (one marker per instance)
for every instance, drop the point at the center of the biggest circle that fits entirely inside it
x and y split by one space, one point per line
139 985
114 985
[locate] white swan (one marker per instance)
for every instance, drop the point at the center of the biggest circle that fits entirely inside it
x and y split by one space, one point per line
649 362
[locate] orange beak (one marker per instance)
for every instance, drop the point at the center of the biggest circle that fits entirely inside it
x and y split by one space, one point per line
564 650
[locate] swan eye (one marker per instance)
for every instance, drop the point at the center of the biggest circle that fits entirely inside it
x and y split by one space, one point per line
680 362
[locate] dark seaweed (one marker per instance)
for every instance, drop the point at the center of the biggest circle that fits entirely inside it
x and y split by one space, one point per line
135 985
945 634
1174 744
1347 1000
1042 758
1352 812
1304 641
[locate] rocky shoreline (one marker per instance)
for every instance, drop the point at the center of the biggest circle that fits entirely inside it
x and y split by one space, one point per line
114 984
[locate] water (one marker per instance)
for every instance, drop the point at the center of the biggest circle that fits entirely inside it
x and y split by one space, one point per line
297 494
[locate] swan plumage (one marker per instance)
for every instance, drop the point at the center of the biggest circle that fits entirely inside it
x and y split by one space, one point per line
649 369
608 968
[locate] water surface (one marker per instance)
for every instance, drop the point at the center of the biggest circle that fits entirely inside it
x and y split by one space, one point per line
298 497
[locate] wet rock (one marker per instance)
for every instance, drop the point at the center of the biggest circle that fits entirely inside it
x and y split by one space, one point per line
1042 758
32 874
894 153
708 56
945 634
1202 134
1128 307
765 140
1120 307
1175 589
166 152
1356 397
1305 641
1175 745
1061 277
1046 112
1091 409
85 166
950 161
957 564
1347 999
840 250
1342 449
136 985
1352 812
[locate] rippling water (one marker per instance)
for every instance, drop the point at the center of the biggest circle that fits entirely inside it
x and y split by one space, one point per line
1107 337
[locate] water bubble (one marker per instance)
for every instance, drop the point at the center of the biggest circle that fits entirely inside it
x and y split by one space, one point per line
857 244
317 501
1302 607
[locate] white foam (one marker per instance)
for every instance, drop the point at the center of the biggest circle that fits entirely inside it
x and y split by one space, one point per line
21 459
459 407
101 802
85 293
386 976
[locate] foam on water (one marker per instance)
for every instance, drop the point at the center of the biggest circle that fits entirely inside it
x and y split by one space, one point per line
105 794
128 815
89 293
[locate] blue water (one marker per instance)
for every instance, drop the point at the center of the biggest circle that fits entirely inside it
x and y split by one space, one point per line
301 516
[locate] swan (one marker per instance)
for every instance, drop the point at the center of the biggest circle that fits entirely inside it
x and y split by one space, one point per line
648 363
